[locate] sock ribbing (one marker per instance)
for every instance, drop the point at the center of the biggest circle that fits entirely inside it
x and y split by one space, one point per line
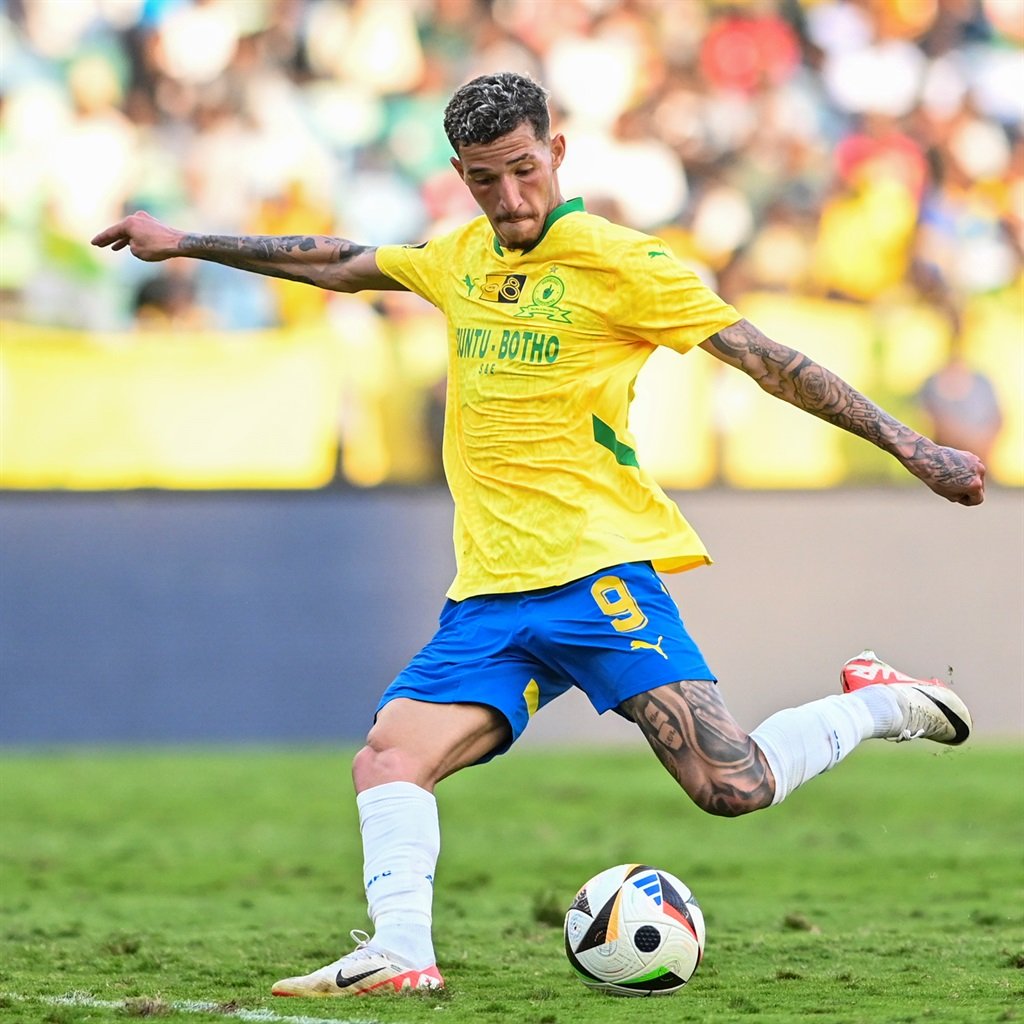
401 844
884 708
802 742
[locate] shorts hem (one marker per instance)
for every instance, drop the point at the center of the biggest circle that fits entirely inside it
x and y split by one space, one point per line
646 685
502 748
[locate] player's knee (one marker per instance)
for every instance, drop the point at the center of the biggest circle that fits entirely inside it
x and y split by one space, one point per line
375 765
724 799
725 806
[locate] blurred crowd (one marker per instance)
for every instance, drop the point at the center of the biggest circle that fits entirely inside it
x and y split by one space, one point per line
863 151
845 148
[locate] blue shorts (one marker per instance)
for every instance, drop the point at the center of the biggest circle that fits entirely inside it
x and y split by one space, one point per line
614 634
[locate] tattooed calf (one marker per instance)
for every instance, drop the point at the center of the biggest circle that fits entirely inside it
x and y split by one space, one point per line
698 741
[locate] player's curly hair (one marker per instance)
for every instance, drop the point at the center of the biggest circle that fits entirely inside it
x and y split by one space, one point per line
494 105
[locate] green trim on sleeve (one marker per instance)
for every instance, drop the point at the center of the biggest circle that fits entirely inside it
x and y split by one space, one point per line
604 435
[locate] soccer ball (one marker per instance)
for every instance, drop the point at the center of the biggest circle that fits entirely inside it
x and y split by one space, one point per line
634 930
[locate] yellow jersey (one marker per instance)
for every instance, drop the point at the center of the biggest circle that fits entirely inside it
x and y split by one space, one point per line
544 346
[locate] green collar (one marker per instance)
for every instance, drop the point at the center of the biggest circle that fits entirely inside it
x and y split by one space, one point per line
570 206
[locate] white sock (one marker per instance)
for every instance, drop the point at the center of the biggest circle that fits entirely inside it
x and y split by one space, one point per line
800 743
883 707
401 844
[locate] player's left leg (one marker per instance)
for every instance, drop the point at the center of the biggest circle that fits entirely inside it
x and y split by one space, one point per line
619 636
877 703
696 738
727 772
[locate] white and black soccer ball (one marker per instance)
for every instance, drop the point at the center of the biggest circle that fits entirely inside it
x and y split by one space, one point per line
634 930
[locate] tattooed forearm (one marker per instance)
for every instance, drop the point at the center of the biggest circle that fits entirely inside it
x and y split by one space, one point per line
782 371
697 740
787 374
793 377
310 259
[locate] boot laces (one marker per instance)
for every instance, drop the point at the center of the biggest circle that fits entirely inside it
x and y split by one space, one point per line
921 719
359 937
907 734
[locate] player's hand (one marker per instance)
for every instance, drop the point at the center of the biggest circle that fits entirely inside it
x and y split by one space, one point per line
144 235
953 474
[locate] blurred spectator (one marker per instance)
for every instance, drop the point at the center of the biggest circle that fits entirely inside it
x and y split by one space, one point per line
781 256
878 146
866 230
858 136
197 40
966 219
747 51
863 150
168 301
846 148
433 428
962 406
294 211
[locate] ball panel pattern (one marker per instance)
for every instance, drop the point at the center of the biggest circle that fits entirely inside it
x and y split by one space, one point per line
645 937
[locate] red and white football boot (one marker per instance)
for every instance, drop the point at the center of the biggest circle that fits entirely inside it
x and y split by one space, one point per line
931 710
362 972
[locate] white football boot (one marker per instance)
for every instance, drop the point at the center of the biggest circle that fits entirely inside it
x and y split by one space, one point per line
931 710
362 972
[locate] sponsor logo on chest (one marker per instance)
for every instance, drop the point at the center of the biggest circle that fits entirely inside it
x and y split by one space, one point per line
541 296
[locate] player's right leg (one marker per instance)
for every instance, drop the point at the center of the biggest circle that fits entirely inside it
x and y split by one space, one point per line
463 699
364 971
412 746
423 742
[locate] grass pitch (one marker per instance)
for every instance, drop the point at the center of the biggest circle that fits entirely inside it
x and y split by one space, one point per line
180 884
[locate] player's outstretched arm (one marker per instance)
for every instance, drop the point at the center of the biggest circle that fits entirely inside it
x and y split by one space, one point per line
333 263
788 374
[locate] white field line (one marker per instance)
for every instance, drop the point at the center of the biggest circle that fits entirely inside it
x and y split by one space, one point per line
183 1006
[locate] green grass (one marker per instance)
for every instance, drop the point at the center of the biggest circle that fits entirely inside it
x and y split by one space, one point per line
890 891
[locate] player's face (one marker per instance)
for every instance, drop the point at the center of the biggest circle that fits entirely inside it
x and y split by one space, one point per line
514 180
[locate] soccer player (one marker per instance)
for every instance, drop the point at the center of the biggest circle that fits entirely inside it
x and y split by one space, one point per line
559 533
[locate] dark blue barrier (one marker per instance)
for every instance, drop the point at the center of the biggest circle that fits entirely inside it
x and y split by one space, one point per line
159 617
279 617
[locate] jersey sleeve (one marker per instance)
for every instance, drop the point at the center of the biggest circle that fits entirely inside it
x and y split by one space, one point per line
420 268
664 302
